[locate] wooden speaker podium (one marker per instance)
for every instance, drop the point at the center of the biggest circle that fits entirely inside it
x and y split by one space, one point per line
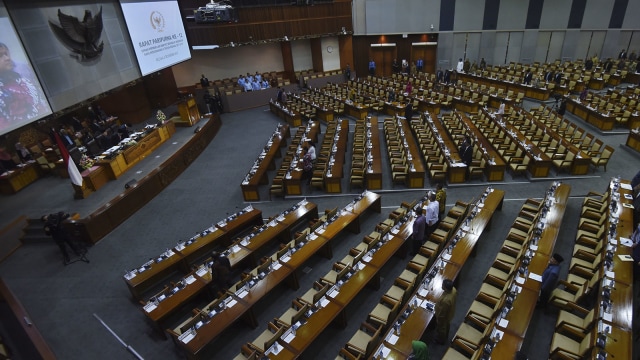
189 113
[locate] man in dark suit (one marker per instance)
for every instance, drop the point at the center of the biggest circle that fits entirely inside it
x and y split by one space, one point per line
623 54
558 78
527 77
548 76
588 65
395 67
439 76
447 76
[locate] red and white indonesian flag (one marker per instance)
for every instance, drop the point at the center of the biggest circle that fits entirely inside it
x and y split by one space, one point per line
74 173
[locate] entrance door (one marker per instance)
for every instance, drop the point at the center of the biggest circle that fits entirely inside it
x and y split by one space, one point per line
383 56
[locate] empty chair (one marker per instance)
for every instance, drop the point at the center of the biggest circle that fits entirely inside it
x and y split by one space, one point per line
563 347
364 340
385 312
602 159
575 325
268 337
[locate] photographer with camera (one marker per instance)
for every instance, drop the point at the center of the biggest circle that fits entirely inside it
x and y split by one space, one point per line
54 228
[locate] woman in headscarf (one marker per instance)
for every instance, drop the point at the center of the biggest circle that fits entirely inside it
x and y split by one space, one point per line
420 351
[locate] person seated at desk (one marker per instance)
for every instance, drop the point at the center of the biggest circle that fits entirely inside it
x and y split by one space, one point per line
419 351
103 140
249 78
115 138
265 84
256 85
23 152
257 77
6 161
124 131
392 96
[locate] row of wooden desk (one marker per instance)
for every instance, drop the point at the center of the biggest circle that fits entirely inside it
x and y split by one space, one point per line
456 169
106 169
618 279
416 169
241 251
373 163
286 268
494 165
523 307
338 147
540 164
290 116
541 94
446 266
593 116
184 254
266 161
293 179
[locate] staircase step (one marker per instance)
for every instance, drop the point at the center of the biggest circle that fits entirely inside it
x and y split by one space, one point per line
35 238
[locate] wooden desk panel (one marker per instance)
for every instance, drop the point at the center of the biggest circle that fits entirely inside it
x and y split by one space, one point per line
633 140
156 271
19 178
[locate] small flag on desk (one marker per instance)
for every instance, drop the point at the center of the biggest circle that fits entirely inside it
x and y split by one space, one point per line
74 173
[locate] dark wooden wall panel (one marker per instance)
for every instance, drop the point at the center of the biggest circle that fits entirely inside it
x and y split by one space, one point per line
316 54
271 22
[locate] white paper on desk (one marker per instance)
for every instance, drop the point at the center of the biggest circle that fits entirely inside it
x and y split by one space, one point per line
628 205
242 294
320 230
277 266
324 301
201 272
465 228
333 293
150 307
367 258
360 266
188 338
625 241
613 241
290 336
190 279
626 186
535 277
446 256
394 230
607 316
313 236
231 303
385 351
130 275
610 274
273 223
423 292
235 248
349 208
481 205
628 196
503 323
285 258
625 257
180 247
533 247
244 241
392 338
520 280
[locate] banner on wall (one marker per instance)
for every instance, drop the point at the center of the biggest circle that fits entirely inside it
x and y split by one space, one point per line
157 33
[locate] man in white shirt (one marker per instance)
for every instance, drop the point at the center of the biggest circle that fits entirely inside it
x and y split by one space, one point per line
432 215
460 66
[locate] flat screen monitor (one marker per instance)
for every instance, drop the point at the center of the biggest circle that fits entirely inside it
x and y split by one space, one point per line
157 33
21 97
